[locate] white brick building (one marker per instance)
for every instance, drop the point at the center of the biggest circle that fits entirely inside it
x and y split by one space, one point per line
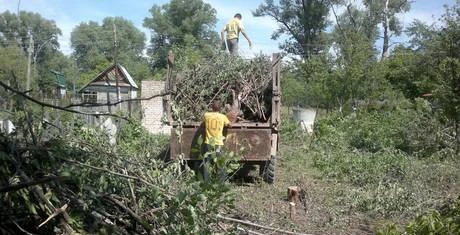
153 109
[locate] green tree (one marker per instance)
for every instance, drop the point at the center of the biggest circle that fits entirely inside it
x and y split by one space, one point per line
385 13
43 32
180 23
353 60
411 72
13 64
31 27
304 22
420 35
94 47
445 51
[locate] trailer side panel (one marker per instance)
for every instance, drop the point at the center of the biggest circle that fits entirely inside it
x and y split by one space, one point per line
252 144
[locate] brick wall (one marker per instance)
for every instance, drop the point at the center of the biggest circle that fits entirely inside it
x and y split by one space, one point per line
153 109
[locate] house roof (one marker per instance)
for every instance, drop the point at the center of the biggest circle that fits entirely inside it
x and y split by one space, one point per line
60 80
109 77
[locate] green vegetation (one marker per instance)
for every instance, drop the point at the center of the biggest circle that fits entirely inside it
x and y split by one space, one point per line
181 25
445 220
98 182
384 155
95 49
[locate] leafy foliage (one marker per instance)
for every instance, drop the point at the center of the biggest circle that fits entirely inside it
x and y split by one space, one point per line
303 21
385 13
180 23
376 154
94 47
44 32
445 220
12 62
126 188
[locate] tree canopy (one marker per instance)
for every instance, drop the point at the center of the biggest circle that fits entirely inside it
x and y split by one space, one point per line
303 22
385 13
94 47
180 23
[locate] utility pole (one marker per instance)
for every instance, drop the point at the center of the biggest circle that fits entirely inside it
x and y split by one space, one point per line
19 19
116 64
30 51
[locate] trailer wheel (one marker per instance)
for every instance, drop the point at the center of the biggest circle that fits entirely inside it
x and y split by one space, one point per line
269 170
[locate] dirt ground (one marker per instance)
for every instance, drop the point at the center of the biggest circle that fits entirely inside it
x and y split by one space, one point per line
268 205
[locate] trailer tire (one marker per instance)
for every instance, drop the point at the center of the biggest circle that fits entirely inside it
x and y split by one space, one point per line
269 170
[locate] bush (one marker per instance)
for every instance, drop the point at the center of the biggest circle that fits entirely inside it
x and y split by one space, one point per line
134 139
445 220
377 156
414 130
361 169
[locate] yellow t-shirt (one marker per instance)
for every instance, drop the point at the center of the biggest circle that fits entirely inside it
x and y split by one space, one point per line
214 123
233 28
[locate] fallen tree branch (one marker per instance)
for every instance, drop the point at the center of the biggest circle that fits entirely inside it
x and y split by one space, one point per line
22 230
32 183
44 104
133 196
131 189
116 173
259 226
38 192
217 93
90 104
57 212
249 231
136 217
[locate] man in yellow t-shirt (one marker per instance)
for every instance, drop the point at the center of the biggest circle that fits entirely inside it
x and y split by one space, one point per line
233 29
214 124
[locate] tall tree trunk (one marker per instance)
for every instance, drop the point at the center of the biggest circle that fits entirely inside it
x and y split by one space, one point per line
386 36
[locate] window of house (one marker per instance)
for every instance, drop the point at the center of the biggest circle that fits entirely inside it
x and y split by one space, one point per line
90 97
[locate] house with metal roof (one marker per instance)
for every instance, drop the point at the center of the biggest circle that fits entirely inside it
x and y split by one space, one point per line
111 86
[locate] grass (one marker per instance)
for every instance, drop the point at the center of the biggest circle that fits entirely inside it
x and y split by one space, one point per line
348 190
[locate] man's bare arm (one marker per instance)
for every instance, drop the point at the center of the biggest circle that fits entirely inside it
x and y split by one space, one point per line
222 35
246 36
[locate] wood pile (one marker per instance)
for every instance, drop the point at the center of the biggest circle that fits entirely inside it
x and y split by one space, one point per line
241 85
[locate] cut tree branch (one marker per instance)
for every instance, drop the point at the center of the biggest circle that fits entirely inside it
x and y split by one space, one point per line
44 104
259 226
32 183
116 173
56 213
38 192
136 217
90 104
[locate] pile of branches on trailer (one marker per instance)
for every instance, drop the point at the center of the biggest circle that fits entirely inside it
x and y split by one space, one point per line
240 83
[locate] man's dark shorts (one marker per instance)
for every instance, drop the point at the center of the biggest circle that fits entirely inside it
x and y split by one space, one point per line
232 45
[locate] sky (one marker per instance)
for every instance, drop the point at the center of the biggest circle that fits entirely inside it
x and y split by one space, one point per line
69 13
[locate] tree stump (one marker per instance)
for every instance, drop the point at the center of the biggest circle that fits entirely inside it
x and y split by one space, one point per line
293 194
